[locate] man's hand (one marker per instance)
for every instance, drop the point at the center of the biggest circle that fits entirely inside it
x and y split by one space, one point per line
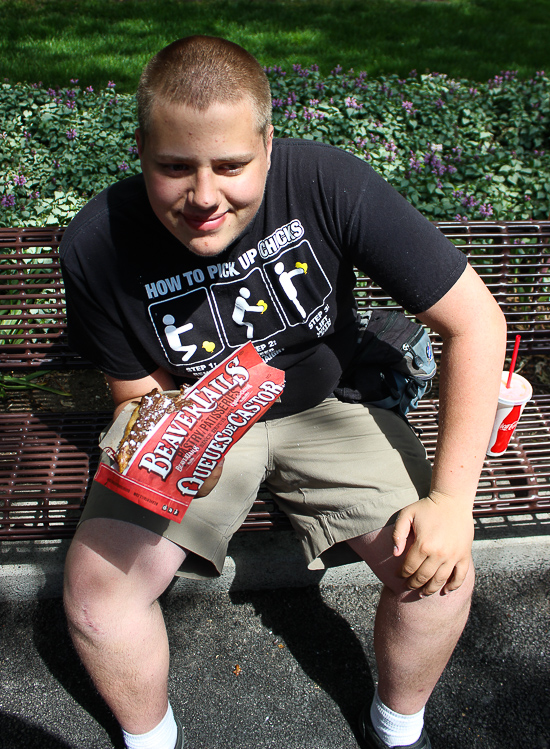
211 481
442 531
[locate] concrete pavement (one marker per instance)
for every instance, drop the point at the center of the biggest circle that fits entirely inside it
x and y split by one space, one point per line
274 656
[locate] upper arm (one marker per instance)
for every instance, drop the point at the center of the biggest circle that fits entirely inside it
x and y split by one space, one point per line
467 307
124 391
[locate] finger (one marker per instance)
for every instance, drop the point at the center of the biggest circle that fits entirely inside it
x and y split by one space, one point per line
414 560
441 576
211 481
458 576
401 531
419 576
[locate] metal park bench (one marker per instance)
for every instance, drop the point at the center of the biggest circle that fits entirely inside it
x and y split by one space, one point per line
47 459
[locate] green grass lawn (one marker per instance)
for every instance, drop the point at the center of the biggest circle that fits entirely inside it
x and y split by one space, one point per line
101 40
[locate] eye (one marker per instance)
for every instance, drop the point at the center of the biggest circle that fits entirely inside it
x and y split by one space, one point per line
174 169
231 169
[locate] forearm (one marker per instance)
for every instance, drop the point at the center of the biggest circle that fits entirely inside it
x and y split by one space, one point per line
126 391
471 367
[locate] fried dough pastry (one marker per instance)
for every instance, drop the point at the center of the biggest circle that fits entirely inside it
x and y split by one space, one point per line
149 411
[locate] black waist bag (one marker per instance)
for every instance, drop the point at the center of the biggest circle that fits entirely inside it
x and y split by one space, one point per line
393 363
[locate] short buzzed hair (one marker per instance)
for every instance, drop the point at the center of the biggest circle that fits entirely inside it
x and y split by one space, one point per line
199 71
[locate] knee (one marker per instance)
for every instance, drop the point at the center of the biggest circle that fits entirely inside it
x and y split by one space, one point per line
457 599
102 592
89 596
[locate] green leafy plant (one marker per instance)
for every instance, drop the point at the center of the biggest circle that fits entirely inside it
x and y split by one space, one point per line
10 383
456 150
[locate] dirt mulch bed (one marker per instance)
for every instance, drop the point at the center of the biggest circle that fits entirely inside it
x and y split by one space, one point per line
78 390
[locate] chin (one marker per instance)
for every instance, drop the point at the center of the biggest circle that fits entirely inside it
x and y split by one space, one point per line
204 248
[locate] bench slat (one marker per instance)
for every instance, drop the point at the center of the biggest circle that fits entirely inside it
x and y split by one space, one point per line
46 459
512 257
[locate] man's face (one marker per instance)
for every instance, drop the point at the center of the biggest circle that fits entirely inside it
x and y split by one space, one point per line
205 172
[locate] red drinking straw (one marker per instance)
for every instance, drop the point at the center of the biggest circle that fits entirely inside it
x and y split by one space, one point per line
513 362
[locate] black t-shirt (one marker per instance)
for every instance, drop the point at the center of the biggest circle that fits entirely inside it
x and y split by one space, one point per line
137 299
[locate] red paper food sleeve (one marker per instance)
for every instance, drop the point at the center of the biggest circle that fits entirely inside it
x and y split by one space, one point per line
184 447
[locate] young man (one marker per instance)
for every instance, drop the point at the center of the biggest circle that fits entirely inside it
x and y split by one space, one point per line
230 236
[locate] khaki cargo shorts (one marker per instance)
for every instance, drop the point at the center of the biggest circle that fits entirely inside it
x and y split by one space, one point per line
338 470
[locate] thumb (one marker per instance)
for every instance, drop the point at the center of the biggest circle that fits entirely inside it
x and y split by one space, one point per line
401 530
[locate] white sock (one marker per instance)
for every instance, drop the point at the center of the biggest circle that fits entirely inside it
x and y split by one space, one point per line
162 736
393 728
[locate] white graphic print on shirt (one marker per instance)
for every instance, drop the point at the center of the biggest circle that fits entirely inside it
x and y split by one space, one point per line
277 287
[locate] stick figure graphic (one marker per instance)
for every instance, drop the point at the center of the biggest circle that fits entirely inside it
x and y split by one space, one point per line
285 278
173 336
242 306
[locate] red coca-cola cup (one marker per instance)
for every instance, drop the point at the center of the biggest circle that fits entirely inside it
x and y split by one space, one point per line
511 402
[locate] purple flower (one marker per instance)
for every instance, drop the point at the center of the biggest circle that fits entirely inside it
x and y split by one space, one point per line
8 201
70 104
71 134
414 163
439 103
123 166
391 148
111 84
486 210
337 70
19 179
351 103
408 105
74 80
89 89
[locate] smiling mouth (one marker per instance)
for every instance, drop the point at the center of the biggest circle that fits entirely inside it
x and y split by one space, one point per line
202 223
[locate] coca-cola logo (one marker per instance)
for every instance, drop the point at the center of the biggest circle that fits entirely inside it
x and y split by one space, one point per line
505 429
508 427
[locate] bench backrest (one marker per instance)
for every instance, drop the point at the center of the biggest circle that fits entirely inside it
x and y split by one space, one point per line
512 257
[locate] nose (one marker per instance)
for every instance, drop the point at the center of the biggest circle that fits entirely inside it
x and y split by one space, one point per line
204 193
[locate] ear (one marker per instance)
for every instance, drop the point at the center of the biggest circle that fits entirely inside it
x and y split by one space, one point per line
269 145
139 141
